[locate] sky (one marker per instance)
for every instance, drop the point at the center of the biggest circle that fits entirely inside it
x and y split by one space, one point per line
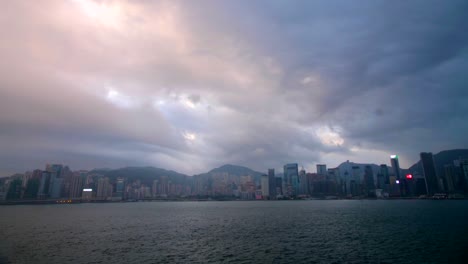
193 85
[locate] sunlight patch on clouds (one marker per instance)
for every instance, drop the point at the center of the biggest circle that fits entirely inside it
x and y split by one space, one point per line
108 14
120 100
313 79
189 136
329 136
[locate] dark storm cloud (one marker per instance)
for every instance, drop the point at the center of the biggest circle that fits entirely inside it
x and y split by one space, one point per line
189 86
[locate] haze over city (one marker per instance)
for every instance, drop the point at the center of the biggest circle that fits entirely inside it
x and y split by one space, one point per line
190 85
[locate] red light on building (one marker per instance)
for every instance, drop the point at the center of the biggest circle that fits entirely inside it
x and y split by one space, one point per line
409 176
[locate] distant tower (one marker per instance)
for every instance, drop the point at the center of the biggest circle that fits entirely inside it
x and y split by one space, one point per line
291 178
397 172
396 166
321 169
272 183
369 181
384 173
303 183
429 172
77 183
265 186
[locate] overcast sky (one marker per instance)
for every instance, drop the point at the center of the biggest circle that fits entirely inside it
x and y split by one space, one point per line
192 85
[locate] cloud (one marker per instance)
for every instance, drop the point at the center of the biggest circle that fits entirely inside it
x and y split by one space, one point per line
190 86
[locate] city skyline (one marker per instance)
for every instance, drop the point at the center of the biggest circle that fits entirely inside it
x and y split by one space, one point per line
57 183
189 86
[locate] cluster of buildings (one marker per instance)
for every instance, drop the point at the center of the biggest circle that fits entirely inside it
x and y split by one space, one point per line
58 182
349 180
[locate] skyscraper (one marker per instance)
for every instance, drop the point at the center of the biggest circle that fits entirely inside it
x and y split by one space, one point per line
463 179
291 179
369 181
55 189
450 178
120 187
104 189
56 180
272 183
321 169
384 173
429 172
395 166
355 182
303 183
265 186
77 183
397 173
44 184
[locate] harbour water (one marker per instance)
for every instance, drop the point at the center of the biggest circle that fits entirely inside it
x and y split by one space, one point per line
336 231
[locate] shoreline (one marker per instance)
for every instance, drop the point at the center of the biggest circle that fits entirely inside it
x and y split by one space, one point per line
79 201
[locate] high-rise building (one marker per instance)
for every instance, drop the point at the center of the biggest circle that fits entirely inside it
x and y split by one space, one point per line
355 183
463 179
384 172
397 173
272 183
429 172
291 178
32 189
369 181
14 189
77 182
279 185
25 178
44 185
395 166
104 189
303 183
450 178
265 186
164 186
333 174
56 180
55 170
321 169
56 185
120 188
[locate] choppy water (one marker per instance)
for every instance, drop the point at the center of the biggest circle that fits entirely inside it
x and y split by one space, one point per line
239 232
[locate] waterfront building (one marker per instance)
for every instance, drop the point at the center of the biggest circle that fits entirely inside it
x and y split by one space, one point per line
450 178
291 178
369 181
429 172
265 186
87 194
321 169
395 166
272 183
104 189
77 184
279 185
55 188
43 192
303 183
120 188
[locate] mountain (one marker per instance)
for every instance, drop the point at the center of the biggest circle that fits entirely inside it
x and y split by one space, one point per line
232 171
235 170
442 158
145 174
